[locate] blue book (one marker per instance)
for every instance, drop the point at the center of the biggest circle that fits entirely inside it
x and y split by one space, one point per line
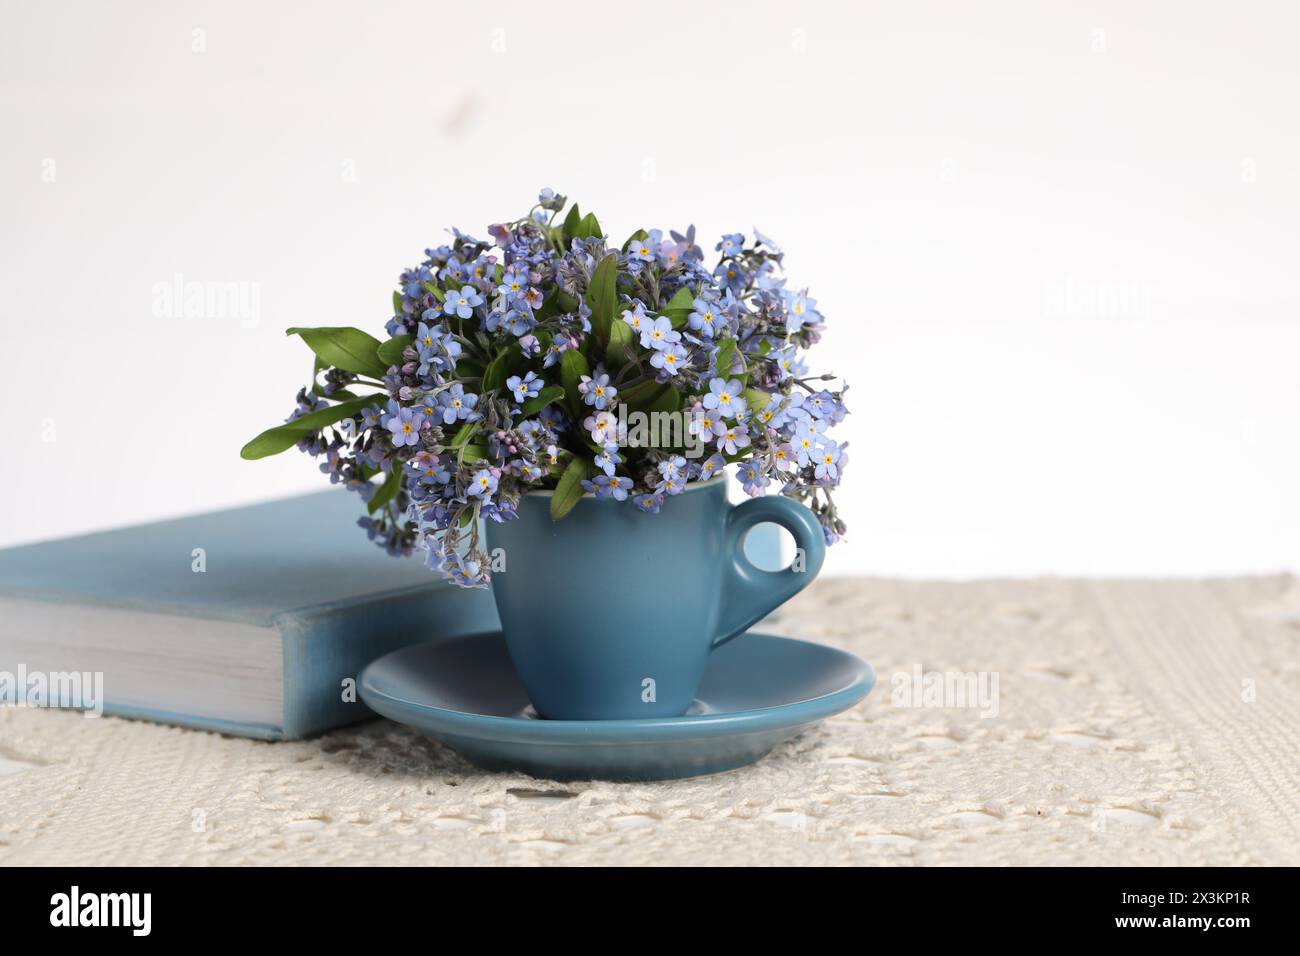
253 621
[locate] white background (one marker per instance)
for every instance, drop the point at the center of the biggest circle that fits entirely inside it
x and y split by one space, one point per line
1056 244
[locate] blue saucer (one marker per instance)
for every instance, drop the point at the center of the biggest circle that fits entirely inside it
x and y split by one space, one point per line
758 691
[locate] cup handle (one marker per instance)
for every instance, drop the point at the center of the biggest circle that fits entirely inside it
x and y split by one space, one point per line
748 592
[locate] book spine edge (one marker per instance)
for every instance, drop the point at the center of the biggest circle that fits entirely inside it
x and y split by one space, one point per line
326 649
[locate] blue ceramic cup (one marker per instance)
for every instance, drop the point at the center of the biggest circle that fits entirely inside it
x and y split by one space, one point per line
611 613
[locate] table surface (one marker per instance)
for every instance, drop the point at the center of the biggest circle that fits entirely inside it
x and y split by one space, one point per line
1138 722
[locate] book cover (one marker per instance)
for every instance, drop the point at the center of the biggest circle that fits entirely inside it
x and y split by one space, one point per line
248 620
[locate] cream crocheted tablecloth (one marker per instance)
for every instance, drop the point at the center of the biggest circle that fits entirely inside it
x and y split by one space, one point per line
1137 722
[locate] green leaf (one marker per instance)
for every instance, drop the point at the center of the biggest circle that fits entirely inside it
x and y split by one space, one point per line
756 399
397 302
340 394
619 351
602 296
588 228
640 395
390 351
679 307
349 349
683 298
463 435
494 376
387 491
547 309
277 439
565 302
473 453
467 368
726 354
571 222
568 491
433 290
316 387
547 395
572 367
669 400
635 237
